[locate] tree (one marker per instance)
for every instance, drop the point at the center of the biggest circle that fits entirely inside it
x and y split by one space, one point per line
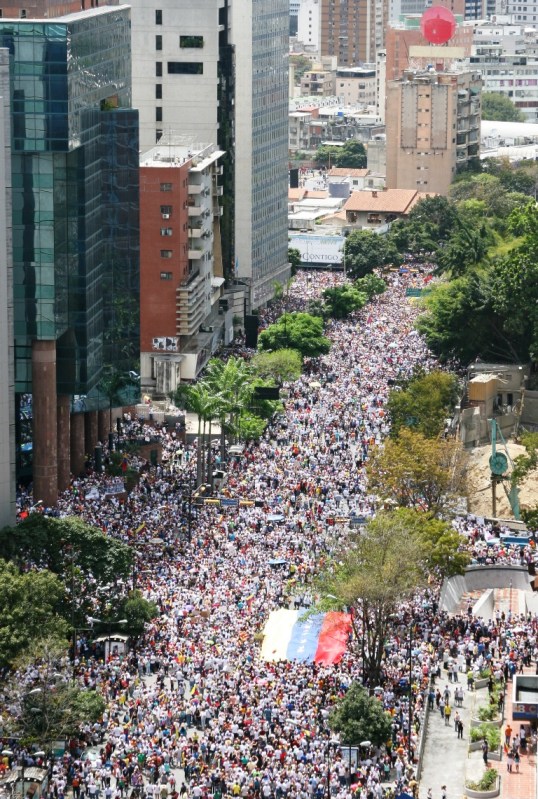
466 247
282 366
294 259
499 108
340 301
422 403
460 322
438 542
301 64
137 610
50 707
365 251
376 570
30 605
360 717
352 155
326 155
417 472
298 331
370 285
370 576
63 544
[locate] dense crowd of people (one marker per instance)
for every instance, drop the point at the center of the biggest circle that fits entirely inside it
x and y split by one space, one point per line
194 700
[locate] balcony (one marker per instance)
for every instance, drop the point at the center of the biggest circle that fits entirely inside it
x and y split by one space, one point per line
196 253
195 188
195 210
190 305
195 232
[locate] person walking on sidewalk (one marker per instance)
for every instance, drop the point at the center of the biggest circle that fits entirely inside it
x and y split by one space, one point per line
448 712
508 734
485 751
460 729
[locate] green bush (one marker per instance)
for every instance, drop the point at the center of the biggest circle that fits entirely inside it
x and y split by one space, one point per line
488 712
488 781
484 674
491 734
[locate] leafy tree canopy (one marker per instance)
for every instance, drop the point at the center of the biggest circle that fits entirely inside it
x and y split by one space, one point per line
30 605
282 366
299 331
359 717
460 322
499 108
52 707
137 610
340 301
365 251
423 403
57 544
417 472
351 155
370 285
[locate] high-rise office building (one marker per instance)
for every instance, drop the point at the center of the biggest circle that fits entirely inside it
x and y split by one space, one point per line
74 166
259 39
216 71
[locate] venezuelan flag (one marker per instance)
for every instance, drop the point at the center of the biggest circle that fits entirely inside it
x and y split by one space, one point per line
318 638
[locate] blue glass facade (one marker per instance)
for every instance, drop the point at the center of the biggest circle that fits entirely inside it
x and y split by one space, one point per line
75 195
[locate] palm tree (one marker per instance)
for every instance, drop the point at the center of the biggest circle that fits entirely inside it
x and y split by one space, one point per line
232 382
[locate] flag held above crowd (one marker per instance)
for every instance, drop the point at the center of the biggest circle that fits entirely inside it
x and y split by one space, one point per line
309 638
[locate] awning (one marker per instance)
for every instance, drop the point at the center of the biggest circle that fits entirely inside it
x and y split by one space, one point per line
217 282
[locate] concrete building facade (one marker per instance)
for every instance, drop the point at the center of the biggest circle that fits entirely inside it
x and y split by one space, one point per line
432 127
181 266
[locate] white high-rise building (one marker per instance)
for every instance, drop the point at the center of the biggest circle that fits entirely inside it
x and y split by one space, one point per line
175 49
308 25
217 71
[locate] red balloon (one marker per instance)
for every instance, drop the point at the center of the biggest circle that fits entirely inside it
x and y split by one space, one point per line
438 24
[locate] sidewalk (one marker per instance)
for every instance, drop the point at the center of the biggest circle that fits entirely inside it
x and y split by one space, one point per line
525 784
445 756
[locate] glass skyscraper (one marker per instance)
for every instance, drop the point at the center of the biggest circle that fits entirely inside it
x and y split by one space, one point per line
75 213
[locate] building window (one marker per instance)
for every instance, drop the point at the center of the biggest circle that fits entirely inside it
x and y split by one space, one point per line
158 91
185 68
191 41
166 253
159 114
22 13
158 135
159 69
166 210
158 17
166 231
166 187
158 42
166 275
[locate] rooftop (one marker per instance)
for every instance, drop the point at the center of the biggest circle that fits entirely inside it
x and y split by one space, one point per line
176 152
397 201
345 172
